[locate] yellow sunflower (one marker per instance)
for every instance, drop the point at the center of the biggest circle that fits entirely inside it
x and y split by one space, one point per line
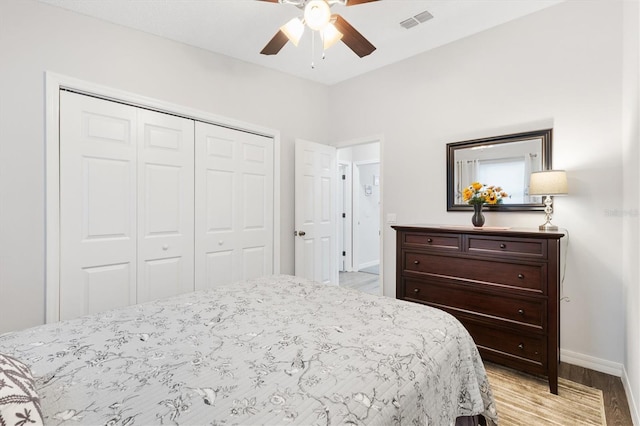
467 194
491 198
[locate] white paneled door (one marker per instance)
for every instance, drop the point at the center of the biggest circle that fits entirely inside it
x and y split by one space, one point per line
234 205
165 205
98 198
316 246
126 205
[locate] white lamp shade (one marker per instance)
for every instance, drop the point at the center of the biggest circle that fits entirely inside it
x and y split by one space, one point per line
330 36
317 14
293 30
548 182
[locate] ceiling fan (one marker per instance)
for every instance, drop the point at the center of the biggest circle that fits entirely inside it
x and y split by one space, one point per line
317 16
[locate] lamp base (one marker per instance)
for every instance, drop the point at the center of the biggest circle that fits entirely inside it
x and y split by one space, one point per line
548 227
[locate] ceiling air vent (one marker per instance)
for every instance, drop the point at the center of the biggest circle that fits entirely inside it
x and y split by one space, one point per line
416 20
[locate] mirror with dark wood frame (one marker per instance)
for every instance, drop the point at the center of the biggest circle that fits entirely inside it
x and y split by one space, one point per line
504 161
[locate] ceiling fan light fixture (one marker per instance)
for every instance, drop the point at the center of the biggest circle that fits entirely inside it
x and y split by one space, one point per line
293 30
330 36
317 14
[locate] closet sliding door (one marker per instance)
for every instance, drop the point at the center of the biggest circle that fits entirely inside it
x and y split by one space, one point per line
126 205
234 205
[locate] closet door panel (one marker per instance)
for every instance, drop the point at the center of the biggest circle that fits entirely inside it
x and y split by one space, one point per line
165 278
219 201
97 205
234 212
107 287
256 169
218 268
165 204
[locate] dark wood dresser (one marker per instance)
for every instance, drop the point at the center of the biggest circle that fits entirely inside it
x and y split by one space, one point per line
503 285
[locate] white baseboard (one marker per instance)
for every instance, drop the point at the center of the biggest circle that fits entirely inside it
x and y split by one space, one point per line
633 406
592 363
368 264
607 367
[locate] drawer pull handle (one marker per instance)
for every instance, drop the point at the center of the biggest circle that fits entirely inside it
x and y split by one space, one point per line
429 240
521 276
416 262
520 311
416 290
521 346
503 245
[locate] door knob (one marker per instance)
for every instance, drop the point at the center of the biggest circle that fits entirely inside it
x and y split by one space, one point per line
300 233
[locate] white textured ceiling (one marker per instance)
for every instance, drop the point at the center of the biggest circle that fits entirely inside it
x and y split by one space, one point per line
241 28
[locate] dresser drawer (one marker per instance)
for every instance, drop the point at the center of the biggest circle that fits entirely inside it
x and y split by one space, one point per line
507 343
432 241
507 247
516 275
462 299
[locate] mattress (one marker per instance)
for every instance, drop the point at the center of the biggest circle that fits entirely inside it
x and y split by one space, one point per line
276 350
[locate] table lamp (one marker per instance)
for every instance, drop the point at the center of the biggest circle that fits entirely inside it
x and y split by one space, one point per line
548 183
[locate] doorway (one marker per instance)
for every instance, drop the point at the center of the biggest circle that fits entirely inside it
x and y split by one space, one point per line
359 198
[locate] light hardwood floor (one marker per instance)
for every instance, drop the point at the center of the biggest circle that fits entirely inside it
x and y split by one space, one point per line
616 406
368 283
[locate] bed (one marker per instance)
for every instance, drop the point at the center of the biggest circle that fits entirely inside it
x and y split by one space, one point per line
278 350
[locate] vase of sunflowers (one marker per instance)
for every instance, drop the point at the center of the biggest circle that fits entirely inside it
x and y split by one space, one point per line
478 195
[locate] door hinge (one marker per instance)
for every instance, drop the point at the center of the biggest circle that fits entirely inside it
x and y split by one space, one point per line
344 215
344 177
344 253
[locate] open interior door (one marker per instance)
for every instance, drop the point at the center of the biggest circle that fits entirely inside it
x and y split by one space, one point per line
316 246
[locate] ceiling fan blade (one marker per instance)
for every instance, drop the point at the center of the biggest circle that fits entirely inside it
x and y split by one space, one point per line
352 2
275 44
352 38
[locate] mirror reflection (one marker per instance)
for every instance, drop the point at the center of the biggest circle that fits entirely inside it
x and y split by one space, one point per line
505 161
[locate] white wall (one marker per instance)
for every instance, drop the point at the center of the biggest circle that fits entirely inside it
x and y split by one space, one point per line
631 191
35 38
366 152
368 216
561 68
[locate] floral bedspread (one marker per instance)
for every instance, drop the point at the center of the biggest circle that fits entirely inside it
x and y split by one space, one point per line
278 350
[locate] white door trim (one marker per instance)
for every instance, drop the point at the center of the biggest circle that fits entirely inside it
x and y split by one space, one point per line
348 210
53 83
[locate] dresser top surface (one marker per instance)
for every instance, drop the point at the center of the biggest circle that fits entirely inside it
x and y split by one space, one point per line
486 230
